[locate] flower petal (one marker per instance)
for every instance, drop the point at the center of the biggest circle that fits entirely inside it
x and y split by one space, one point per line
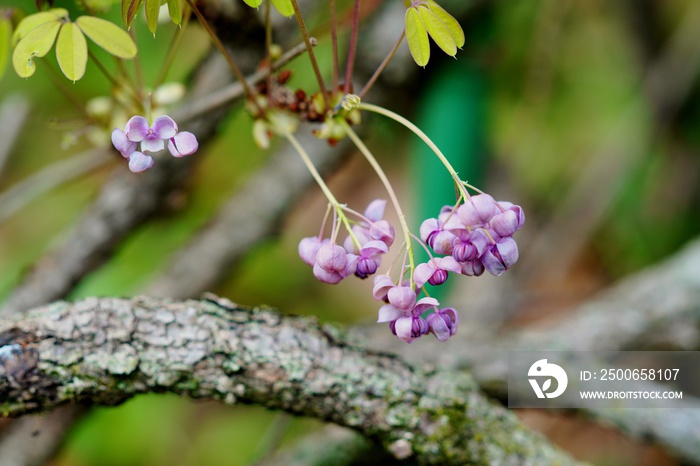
423 273
387 313
139 162
404 328
122 143
164 127
152 144
375 210
182 144
137 129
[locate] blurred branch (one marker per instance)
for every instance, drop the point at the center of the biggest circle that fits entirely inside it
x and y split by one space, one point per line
667 82
13 114
20 194
105 350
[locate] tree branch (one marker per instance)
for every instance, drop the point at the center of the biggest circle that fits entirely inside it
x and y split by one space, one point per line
105 351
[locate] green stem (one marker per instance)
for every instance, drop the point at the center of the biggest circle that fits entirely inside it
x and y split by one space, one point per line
334 45
417 131
387 185
322 184
312 56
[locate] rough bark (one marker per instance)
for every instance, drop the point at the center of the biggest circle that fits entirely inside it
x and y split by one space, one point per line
104 351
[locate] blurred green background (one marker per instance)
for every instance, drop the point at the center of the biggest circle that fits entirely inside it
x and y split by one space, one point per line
552 104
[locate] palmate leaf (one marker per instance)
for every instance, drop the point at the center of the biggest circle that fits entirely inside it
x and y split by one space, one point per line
71 51
36 43
107 35
438 31
5 38
129 10
417 37
31 22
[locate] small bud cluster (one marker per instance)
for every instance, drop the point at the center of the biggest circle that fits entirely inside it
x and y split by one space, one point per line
467 239
151 139
361 253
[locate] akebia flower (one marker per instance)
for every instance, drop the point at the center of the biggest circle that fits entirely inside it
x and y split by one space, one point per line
139 138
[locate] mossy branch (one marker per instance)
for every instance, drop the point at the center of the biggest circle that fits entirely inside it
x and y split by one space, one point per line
105 350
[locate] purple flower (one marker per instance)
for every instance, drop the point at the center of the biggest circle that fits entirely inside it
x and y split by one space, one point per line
472 268
382 285
433 234
477 210
500 256
382 230
370 258
470 245
435 271
409 328
139 138
150 137
308 247
443 323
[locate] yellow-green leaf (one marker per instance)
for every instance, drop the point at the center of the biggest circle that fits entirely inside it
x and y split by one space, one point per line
417 37
5 37
175 11
284 7
152 8
35 44
449 21
31 22
438 31
108 36
71 51
253 3
129 10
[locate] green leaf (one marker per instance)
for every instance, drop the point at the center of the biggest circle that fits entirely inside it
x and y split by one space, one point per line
438 31
175 11
152 8
284 7
129 10
417 37
31 22
5 38
71 51
35 44
108 36
449 21
253 3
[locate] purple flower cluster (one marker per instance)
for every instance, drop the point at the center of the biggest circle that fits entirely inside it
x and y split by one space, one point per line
404 312
151 139
360 256
477 236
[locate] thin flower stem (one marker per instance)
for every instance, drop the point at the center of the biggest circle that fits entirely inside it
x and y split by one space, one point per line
322 184
417 131
387 185
382 67
135 100
174 46
312 56
229 58
353 46
334 45
138 69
